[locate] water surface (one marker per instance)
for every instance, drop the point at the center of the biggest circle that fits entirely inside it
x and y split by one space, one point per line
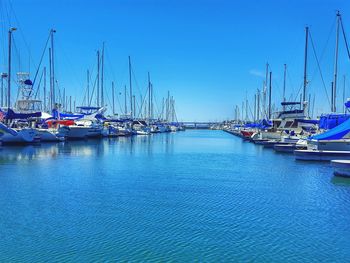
186 196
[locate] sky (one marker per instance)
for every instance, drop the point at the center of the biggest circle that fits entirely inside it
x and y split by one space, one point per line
209 54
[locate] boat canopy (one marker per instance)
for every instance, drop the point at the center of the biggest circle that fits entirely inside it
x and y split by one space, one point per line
263 124
11 115
329 121
335 133
67 116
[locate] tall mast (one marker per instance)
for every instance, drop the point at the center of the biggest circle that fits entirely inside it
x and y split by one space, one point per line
152 101
98 79
125 105
134 104
265 87
44 89
258 106
284 86
149 97
305 66
336 64
254 117
50 71
113 97
246 108
102 73
168 107
130 83
270 93
344 80
88 87
53 68
9 68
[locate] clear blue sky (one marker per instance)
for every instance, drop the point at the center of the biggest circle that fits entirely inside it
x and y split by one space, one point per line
208 53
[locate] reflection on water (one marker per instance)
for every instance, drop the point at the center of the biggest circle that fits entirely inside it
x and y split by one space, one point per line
84 148
341 181
183 197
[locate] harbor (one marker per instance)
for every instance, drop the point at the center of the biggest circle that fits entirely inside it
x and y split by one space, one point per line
151 131
149 206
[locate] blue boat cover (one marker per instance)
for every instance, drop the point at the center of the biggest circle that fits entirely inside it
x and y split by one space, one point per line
66 116
329 121
11 115
336 133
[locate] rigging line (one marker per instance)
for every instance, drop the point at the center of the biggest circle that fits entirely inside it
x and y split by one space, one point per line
319 67
137 84
328 39
299 91
142 104
41 60
36 94
21 31
344 35
93 91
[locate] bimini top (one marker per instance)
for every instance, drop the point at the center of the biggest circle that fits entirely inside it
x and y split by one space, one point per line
336 133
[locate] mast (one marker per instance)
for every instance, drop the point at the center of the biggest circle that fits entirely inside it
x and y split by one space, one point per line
134 104
50 75
149 97
102 74
125 105
254 117
9 67
336 64
246 108
284 86
88 87
151 101
98 79
305 66
44 88
344 108
258 106
130 84
270 93
265 88
113 97
2 89
168 107
53 68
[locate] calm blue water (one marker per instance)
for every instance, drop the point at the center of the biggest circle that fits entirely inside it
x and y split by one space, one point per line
187 196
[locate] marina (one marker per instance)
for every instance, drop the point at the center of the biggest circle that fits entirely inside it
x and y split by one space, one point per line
165 131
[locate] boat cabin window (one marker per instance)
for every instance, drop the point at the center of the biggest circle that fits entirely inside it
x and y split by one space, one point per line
276 124
295 124
288 124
